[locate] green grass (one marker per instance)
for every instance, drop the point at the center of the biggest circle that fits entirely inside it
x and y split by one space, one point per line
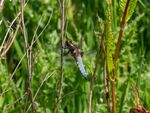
42 21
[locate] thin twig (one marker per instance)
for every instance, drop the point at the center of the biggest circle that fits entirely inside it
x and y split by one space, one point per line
1 5
91 94
33 42
10 41
45 79
9 28
62 54
11 76
94 74
8 45
121 32
29 60
116 56
62 48
35 39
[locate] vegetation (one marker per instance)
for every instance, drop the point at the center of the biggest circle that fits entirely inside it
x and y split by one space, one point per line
36 76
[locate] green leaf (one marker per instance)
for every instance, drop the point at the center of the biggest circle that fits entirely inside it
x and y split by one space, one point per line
131 7
109 40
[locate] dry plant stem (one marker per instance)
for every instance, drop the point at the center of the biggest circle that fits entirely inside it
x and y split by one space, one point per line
1 5
121 32
116 57
91 94
106 82
9 40
9 43
62 53
29 60
38 90
93 76
33 42
35 39
113 92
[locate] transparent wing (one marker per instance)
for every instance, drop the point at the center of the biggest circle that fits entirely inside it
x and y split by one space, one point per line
81 67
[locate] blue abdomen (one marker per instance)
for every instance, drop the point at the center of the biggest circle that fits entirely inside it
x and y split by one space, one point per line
81 66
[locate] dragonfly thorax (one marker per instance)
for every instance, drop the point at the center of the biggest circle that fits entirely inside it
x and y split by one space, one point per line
74 49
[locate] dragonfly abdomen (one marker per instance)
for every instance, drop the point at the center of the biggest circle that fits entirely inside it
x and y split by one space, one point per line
81 66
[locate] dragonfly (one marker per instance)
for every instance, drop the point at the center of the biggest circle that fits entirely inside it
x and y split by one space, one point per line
77 55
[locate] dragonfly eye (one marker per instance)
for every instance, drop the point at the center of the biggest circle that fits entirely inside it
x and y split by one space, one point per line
68 42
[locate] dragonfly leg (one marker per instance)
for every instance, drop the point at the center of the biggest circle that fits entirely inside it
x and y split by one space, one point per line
65 47
66 51
82 53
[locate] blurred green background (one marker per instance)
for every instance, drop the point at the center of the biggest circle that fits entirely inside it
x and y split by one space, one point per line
81 26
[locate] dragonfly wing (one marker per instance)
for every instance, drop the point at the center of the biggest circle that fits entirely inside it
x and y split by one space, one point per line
81 67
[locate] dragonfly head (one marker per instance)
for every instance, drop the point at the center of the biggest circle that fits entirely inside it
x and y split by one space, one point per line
68 43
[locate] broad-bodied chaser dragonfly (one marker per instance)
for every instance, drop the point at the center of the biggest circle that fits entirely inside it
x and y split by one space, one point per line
76 53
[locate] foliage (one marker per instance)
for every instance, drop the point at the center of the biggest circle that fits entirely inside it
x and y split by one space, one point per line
132 5
81 26
109 39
